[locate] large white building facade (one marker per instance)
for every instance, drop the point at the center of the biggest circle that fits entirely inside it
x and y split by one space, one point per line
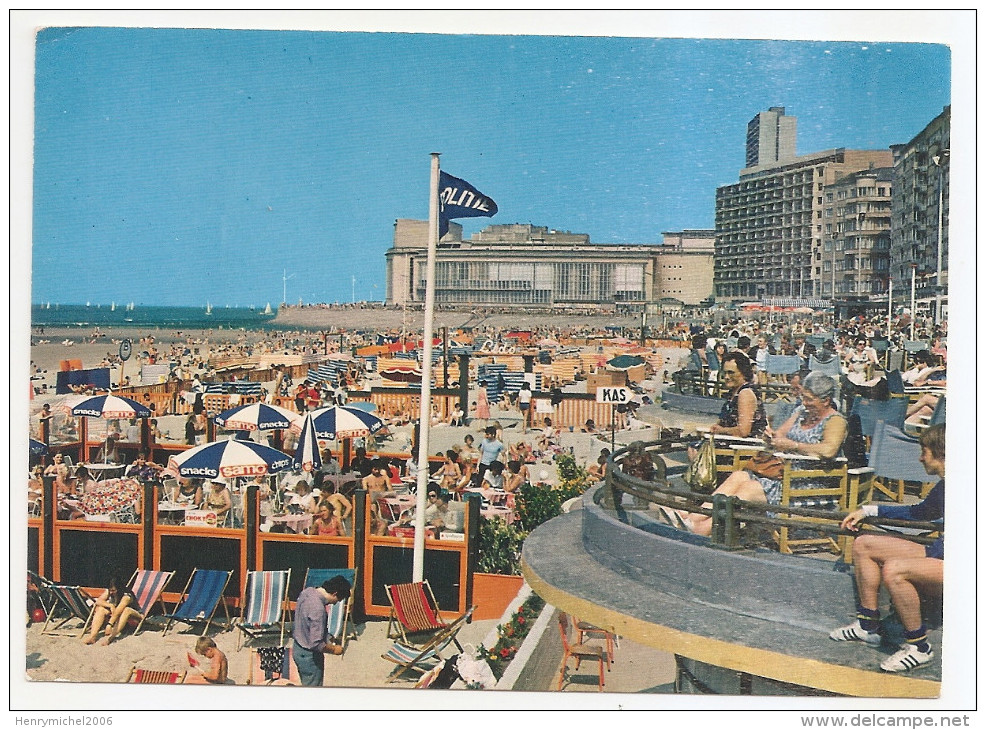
527 266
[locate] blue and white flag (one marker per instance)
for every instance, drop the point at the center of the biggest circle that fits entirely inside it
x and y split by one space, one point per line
459 199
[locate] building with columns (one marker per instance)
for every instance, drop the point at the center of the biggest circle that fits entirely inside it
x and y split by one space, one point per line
532 267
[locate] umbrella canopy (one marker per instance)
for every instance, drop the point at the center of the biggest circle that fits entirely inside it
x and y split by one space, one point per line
229 458
258 417
625 362
308 456
402 373
110 406
340 422
110 496
37 448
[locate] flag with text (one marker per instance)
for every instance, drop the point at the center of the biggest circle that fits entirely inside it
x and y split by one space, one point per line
459 199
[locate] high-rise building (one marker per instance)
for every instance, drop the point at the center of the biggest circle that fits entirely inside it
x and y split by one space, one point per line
856 235
532 267
919 205
769 225
770 136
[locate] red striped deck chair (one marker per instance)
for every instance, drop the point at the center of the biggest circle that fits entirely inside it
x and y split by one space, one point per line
264 607
413 612
425 657
154 676
148 585
71 604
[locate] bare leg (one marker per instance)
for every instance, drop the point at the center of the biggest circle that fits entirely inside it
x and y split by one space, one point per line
903 578
870 555
99 617
739 484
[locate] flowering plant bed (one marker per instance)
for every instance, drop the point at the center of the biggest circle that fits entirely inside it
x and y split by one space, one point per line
511 635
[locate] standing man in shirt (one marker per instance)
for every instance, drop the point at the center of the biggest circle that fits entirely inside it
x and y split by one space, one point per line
490 449
311 629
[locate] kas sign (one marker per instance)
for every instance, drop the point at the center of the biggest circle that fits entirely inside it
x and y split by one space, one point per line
613 396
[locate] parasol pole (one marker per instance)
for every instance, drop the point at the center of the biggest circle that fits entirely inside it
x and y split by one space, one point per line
425 410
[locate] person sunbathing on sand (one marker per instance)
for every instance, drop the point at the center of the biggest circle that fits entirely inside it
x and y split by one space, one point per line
116 604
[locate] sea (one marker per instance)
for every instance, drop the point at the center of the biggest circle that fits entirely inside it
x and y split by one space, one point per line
147 317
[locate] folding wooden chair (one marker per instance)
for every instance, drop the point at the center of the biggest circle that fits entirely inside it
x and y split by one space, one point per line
338 614
71 604
264 606
154 676
202 595
424 657
413 611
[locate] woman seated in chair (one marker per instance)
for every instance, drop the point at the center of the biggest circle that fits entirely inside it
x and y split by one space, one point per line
219 500
743 413
113 609
188 491
816 428
326 521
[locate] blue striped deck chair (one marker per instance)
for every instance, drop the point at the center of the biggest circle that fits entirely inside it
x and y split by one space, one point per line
71 604
202 595
264 608
425 657
895 460
338 614
148 585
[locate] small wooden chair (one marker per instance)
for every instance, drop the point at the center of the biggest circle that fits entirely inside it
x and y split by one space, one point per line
578 651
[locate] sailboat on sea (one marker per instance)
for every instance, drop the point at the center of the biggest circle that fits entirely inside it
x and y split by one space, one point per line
130 307
112 306
208 308
268 310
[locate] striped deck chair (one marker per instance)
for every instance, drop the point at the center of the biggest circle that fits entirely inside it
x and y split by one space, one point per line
148 585
154 676
425 657
202 595
264 606
413 612
71 604
43 586
338 613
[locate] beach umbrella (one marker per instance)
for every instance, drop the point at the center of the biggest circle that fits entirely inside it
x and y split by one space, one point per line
228 459
624 362
308 457
37 448
402 373
341 422
258 417
110 406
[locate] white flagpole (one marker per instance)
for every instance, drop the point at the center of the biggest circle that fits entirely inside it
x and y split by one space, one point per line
425 411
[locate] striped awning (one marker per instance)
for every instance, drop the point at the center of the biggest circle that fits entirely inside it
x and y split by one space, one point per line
795 302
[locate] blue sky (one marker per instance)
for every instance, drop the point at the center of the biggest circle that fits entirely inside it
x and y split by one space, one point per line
185 166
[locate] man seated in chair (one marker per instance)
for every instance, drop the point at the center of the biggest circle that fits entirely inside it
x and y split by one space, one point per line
905 568
310 633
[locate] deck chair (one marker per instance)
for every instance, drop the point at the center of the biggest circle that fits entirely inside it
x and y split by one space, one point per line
894 459
814 483
272 665
338 614
202 595
832 367
413 612
44 593
148 585
71 604
264 608
425 657
154 676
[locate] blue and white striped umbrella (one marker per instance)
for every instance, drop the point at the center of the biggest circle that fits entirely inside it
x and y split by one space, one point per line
308 456
340 422
110 406
257 417
229 459
37 448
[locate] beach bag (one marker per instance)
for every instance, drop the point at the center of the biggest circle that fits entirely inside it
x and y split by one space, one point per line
765 464
700 475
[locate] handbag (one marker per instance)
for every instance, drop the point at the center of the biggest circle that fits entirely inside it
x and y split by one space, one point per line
765 464
701 475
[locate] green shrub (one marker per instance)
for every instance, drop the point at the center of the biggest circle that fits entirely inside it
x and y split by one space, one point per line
499 547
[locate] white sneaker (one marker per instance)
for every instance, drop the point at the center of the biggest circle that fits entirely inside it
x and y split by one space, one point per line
855 632
907 658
